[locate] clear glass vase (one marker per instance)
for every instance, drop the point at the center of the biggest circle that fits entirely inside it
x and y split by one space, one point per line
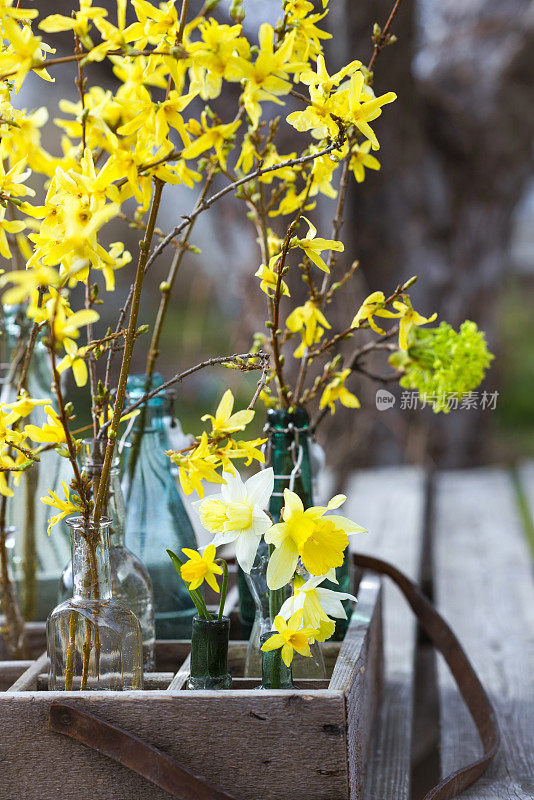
94 640
209 654
37 560
130 581
287 452
156 518
13 644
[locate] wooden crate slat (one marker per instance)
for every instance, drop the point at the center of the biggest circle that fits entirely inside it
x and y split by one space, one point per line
484 587
10 671
358 673
28 679
197 737
390 503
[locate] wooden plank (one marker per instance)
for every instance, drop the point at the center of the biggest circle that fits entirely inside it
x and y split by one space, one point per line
484 587
28 679
11 671
358 673
390 503
525 476
251 743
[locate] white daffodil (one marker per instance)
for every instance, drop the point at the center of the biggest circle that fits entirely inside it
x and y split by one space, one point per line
237 513
317 604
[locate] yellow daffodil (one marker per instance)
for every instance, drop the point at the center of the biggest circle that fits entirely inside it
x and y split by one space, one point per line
318 604
320 541
336 390
313 247
291 638
224 422
65 507
200 568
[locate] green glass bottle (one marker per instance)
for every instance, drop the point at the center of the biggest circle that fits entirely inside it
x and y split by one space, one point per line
209 654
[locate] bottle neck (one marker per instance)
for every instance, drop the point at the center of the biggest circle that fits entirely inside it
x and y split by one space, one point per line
113 509
288 454
91 573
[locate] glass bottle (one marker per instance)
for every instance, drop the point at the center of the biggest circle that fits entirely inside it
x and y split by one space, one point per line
287 452
209 654
13 642
130 581
37 560
274 672
156 518
94 640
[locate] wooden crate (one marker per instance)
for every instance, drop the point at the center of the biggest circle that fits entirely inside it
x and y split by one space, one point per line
268 744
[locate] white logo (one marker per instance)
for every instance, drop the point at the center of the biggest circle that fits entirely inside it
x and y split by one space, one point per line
384 399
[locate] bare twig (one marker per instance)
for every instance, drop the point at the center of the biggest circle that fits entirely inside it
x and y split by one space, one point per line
210 362
385 35
292 162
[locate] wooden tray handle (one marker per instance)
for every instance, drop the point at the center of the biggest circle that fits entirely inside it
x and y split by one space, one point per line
467 681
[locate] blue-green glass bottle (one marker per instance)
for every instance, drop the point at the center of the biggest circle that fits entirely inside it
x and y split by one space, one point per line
156 518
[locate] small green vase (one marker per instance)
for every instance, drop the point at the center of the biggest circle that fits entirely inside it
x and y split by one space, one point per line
209 654
274 673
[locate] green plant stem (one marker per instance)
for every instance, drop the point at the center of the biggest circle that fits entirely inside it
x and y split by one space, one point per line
128 350
276 596
224 588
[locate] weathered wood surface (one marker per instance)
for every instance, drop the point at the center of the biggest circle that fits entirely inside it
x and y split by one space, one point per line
358 674
484 587
10 671
28 679
390 503
195 733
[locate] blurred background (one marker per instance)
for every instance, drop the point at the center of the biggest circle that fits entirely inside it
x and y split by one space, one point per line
453 204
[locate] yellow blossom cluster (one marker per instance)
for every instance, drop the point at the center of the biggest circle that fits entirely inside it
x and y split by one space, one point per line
17 448
217 448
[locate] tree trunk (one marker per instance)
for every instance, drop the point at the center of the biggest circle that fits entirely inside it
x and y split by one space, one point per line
454 151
